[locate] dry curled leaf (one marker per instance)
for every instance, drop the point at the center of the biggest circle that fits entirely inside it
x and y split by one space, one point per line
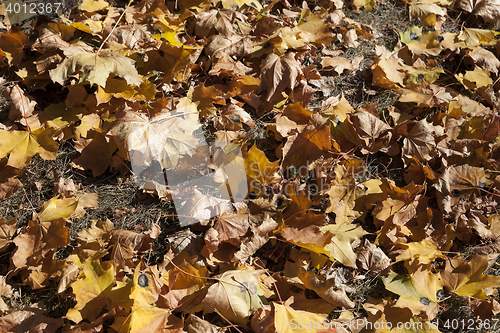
373 259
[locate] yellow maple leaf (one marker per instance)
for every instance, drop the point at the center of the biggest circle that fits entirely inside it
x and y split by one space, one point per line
96 68
93 5
259 170
426 251
119 88
20 146
418 292
427 11
467 278
55 209
343 193
475 79
251 3
367 4
420 43
237 295
92 290
469 38
338 111
288 320
340 247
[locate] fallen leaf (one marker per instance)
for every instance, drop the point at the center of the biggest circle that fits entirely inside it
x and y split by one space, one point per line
46 233
9 183
233 117
96 155
173 61
338 109
485 59
20 146
12 45
489 10
285 316
96 325
427 11
388 71
373 132
236 295
199 207
21 106
340 247
31 320
195 324
425 251
55 209
93 5
259 170
339 64
96 68
91 290
474 37
217 20
475 79
229 65
419 141
373 259
419 292
467 278
458 182
327 287
311 143
343 192
7 230
279 73
367 4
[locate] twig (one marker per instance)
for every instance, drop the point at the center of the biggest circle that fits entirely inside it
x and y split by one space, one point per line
34 211
112 30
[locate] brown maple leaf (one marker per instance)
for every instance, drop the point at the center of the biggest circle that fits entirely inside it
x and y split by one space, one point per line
458 182
233 117
489 10
310 144
44 234
279 73
221 21
9 183
226 64
7 230
373 259
31 319
419 141
12 45
425 94
373 132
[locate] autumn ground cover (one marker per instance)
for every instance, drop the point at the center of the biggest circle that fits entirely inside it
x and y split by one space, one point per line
368 137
